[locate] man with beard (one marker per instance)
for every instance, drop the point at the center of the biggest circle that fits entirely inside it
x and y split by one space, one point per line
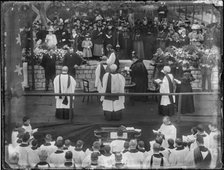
139 76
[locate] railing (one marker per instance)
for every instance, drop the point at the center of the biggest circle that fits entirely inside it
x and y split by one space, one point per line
121 94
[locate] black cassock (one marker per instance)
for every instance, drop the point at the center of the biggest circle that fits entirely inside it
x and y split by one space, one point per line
139 76
187 102
49 64
71 59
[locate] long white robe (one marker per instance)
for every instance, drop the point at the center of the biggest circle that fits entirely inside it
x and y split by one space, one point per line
133 160
117 86
98 83
57 159
169 131
164 88
33 157
111 59
177 158
107 161
64 89
78 157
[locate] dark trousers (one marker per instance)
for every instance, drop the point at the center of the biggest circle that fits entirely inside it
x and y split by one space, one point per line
206 77
113 115
47 82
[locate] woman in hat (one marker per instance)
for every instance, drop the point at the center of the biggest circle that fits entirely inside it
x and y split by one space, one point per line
138 43
98 39
51 39
87 45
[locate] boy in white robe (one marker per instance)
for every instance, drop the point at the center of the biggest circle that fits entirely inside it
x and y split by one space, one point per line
99 73
33 154
113 83
117 145
200 157
43 164
78 154
27 126
168 130
133 159
23 150
48 145
63 83
156 160
177 156
57 159
107 159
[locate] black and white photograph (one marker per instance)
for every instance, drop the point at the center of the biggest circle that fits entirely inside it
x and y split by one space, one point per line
112 84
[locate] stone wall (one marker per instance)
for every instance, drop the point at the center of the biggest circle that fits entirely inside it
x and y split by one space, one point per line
88 72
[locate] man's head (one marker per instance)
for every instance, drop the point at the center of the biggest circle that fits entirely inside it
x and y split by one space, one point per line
170 142
67 142
79 144
126 145
156 148
178 142
68 155
159 140
199 140
26 137
166 120
96 146
212 126
48 138
65 69
141 144
200 128
43 155
34 143
133 144
59 144
107 149
26 120
166 69
113 68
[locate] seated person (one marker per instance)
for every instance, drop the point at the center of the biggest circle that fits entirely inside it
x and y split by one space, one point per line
68 160
117 145
107 159
49 146
78 154
43 155
27 126
33 154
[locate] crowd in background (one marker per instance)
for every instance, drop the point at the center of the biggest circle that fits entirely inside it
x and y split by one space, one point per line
196 150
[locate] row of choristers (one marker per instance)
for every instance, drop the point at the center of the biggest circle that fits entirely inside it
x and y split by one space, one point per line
198 150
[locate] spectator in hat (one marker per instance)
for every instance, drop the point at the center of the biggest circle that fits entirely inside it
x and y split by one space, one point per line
87 45
43 155
161 38
137 41
74 39
78 154
133 158
33 154
48 145
162 11
58 157
98 39
184 39
41 33
23 150
51 39
139 75
113 83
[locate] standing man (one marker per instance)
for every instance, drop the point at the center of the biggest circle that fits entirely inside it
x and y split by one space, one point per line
139 75
166 105
63 83
49 64
207 63
113 83
72 60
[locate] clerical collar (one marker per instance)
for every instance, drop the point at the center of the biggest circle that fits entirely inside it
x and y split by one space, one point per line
34 148
59 151
171 147
107 154
179 148
203 149
157 155
26 124
133 150
24 144
47 144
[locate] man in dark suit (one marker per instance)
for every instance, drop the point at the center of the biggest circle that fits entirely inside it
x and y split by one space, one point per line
49 64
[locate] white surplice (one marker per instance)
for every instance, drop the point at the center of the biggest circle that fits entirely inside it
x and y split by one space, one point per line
64 89
117 86
169 131
98 83
164 88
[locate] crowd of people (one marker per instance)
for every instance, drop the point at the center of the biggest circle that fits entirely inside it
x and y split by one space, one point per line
196 150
